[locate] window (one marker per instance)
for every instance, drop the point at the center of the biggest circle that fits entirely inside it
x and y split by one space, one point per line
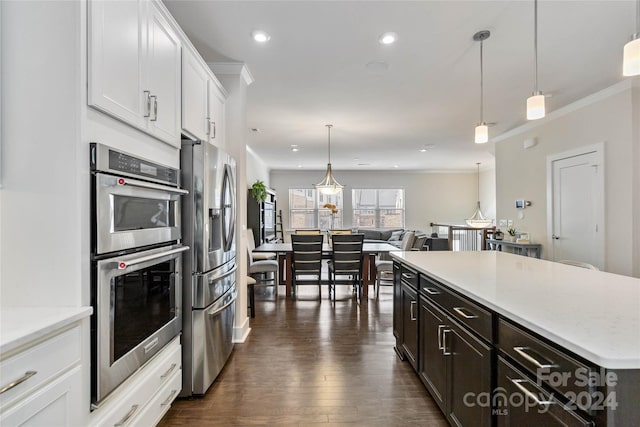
306 209
382 208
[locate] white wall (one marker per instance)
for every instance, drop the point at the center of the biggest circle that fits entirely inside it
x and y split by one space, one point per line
256 169
429 197
606 117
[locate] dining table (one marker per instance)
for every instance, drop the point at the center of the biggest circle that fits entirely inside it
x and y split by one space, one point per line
284 253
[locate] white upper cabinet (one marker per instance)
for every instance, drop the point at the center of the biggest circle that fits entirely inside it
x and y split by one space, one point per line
203 100
195 81
216 112
134 66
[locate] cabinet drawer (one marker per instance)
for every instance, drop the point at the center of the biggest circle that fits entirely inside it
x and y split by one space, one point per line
458 307
547 364
128 401
410 277
161 402
524 403
39 364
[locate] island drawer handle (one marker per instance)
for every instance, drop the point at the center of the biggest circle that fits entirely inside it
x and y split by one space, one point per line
19 381
518 383
431 291
522 351
444 343
408 276
440 346
460 311
411 310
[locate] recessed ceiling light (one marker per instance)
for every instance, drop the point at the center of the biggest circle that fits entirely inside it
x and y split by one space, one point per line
299 166
426 147
260 36
256 130
294 148
396 166
388 38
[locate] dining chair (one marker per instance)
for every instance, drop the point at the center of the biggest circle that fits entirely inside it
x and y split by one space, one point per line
346 260
257 256
578 264
306 260
251 283
384 268
261 271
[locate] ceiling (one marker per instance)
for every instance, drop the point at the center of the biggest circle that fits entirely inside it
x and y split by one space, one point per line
324 64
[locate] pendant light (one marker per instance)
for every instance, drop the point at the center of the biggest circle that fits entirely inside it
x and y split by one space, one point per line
631 61
478 220
329 185
535 103
482 130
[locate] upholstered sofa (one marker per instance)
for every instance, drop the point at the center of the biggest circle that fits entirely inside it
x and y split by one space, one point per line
388 235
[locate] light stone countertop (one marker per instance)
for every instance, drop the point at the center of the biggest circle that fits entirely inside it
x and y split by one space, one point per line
21 325
591 313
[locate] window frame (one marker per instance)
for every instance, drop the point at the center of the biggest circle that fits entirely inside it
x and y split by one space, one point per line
377 209
318 210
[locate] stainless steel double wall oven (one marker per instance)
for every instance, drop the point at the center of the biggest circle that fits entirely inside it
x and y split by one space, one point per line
136 261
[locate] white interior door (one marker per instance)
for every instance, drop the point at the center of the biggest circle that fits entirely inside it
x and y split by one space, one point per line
577 185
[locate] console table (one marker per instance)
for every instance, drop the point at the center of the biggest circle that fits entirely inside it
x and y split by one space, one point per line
529 249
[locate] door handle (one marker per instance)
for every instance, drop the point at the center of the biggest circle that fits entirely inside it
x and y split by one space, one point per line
413 315
444 343
440 327
155 108
554 237
147 96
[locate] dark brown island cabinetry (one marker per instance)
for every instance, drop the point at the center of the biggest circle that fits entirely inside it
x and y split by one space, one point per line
483 369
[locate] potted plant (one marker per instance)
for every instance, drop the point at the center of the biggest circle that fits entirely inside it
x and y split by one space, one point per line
512 233
259 191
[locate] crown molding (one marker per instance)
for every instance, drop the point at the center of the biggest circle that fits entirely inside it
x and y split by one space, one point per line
233 69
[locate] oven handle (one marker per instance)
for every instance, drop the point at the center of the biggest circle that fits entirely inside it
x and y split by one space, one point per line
125 264
141 184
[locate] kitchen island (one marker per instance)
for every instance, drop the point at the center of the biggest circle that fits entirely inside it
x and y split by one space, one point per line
571 336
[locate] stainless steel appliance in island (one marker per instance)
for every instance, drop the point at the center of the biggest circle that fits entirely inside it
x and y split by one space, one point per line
209 291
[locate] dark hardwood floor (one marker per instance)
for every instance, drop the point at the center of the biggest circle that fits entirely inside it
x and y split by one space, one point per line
313 361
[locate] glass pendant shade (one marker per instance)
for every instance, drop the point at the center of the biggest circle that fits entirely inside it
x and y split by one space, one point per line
478 220
535 106
631 61
482 133
329 185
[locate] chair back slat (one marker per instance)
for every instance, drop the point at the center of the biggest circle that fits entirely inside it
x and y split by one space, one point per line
307 253
347 253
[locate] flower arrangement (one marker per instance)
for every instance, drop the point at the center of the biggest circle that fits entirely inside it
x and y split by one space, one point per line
512 231
334 209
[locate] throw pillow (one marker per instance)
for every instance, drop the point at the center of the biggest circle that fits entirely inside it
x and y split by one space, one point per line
396 235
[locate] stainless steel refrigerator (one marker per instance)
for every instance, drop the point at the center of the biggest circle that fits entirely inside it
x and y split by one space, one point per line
209 284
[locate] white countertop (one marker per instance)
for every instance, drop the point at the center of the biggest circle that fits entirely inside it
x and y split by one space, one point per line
20 325
591 313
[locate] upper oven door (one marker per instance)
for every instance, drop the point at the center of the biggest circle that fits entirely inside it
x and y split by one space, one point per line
131 213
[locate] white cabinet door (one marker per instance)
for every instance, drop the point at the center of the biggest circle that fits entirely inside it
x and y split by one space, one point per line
59 403
134 66
216 113
115 60
195 118
162 66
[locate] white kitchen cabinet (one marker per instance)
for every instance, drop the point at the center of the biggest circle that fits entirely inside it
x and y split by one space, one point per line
195 97
216 112
43 367
203 100
134 66
146 395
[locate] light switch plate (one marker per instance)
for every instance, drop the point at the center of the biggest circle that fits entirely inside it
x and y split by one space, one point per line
510 223
503 223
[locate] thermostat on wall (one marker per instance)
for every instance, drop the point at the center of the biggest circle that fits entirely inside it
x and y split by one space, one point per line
521 204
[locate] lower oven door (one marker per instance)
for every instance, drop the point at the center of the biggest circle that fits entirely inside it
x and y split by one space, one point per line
213 340
137 308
